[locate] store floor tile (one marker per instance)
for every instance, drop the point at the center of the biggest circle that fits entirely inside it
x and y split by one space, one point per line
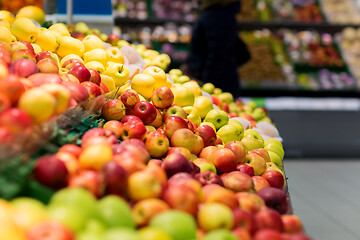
326 196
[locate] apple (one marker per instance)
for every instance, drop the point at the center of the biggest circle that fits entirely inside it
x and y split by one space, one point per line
133 129
72 149
204 105
23 53
274 198
94 76
169 222
5 56
78 91
249 201
4 102
130 118
93 89
214 215
114 126
144 210
4 68
120 233
268 218
113 38
143 185
61 94
175 111
145 111
162 97
184 137
291 223
219 194
208 87
244 219
158 74
144 84
204 165
238 149
274 158
176 162
23 67
174 123
224 160
157 144
241 233
130 161
43 55
95 156
49 229
217 117
245 168
15 120
257 162
51 172
183 96
274 178
220 234
47 65
129 97
228 133
65 77
151 233
115 178
39 79
184 151
81 72
268 234
207 133
68 64
295 236
274 147
208 177
70 160
258 114
89 180
237 181
92 42
113 109
259 183
115 55
158 122
97 54
110 208
262 153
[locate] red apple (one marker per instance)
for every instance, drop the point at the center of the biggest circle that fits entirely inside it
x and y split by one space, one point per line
208 135
238 149
23 67
250 202
51 172
174 123
94 77
23 53
39 79
184 151
291 223
93 89
218 141
175 111
244 219
176 162
209 177
15 119
129 97
262 153
49 230
207 152
113 109
5 56
98 132
268 218
157 144
29 47
145 111
158 120
113 38
5 102
88 179
47 65
245 168
259 183
219 194
162 97
81 72
224 160
114 126
268 234
78 91
129 118
133 129
68 64
275 178
103 87
294 236
237 181
43 55
274 198
115 178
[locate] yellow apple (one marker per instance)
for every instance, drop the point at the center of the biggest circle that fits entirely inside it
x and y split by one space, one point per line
46 40
98 55
96 66
31 12
228 133
193 115
183 96
92 42
150 54
36 47
81 27
8 16
115 55
24 30
61 94
5 35
60 28
158 74
4 23
108 81
203 105
143 84
68 57
118 72
70 45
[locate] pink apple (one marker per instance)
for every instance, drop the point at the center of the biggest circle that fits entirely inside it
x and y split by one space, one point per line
238 149
98 132
174 123
145 111
175 111
262 153
81 72
224 160
162 97
131 118
23 67
176 162
157 144
39 79
208 177
49 229
113 109
45 54
275 178
93 89
78 91
268 234
259 183
245 168
237 181
208 135
47 65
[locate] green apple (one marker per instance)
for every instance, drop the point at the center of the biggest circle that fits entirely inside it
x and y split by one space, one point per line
272 140
276 148
228 133
178 224
239 127
182 79
226 97
121 233
80 198
208 87
81 27
233 108
68 215
250 106
175 72
89 236
257 162
118 72
110 208
214 215
204 165
93 230
258 114
217 91
217 117
274 158
193 115
203 105
251 143
254 134
220 234
152 233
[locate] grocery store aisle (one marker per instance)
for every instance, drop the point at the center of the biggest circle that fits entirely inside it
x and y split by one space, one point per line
326 196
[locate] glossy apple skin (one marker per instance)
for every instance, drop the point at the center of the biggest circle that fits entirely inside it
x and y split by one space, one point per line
143 185
250 201
208 135
274 198
39 79
238 149
23 54
275 178
237 181
93 89
259 183
176 162
209 177
175 111
129 98
157 144
268 218
245 168
115 178
113 109
47 65
133 129
88 179
98 132
244 219
291 223
162 97
23 67
219 194
174 123
145 111
224 160
267 234
15 120
94 76
81 72
144 210
78 91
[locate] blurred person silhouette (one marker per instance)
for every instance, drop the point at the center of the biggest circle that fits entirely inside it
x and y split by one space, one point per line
216 50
